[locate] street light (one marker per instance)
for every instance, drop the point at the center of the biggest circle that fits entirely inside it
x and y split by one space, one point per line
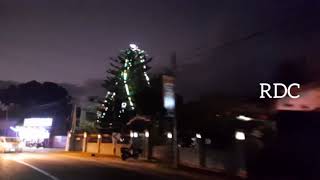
244 118
169 135
146 134
240 136
135 134
198 136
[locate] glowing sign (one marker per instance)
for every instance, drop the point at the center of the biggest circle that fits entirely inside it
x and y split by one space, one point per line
37 122
32 133
169 101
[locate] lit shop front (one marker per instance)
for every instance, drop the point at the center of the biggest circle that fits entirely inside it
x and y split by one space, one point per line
35 132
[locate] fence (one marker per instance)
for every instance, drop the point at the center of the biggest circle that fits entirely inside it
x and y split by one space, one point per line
229 160
59 141
108 144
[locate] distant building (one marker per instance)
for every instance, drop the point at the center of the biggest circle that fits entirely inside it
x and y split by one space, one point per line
86 114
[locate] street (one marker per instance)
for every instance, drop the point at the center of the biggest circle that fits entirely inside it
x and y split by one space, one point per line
52 166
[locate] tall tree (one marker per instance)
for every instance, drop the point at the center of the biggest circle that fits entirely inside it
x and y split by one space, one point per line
126 79
34 99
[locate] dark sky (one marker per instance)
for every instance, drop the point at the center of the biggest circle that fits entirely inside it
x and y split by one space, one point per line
70 41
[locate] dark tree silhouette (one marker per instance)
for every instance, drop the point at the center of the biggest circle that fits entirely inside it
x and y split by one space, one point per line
34 99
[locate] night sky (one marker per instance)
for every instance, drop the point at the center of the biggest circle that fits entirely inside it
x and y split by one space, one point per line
225 46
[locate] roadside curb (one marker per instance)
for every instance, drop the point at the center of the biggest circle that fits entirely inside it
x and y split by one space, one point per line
155 167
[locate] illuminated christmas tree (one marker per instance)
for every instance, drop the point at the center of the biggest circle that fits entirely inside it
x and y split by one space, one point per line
126 79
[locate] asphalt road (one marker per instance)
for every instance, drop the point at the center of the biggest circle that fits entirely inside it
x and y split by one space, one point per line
43 166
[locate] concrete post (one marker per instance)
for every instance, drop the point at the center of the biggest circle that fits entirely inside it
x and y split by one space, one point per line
68 143
147 145
240 157
84 142
114 143
99 142
201 152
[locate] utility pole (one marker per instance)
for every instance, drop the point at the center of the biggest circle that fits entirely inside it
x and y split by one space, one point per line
174 120
74 119
7 114
169 103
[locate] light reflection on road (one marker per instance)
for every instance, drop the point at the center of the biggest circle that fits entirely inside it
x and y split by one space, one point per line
21 156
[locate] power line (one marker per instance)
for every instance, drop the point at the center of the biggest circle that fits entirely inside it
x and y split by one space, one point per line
248 37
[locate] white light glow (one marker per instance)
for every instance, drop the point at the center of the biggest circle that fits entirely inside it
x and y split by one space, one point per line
31 133
38 122
169 102
240 136
198 136
131 134
127 89
130 101
147 77
244 118
133 47
169 135
135 134
125 75
13 129
168 93
124 105
146 134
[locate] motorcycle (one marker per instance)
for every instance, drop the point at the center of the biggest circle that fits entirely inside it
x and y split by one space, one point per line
130 153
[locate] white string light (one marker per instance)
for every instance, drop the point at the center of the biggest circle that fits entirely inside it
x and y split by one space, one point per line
139 57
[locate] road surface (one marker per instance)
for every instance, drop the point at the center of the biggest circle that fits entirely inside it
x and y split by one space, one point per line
51 166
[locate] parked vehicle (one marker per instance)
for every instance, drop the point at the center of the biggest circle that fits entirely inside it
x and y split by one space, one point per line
35 144
10 144
130 153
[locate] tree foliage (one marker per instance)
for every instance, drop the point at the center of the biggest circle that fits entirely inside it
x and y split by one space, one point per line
127 78
34 99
